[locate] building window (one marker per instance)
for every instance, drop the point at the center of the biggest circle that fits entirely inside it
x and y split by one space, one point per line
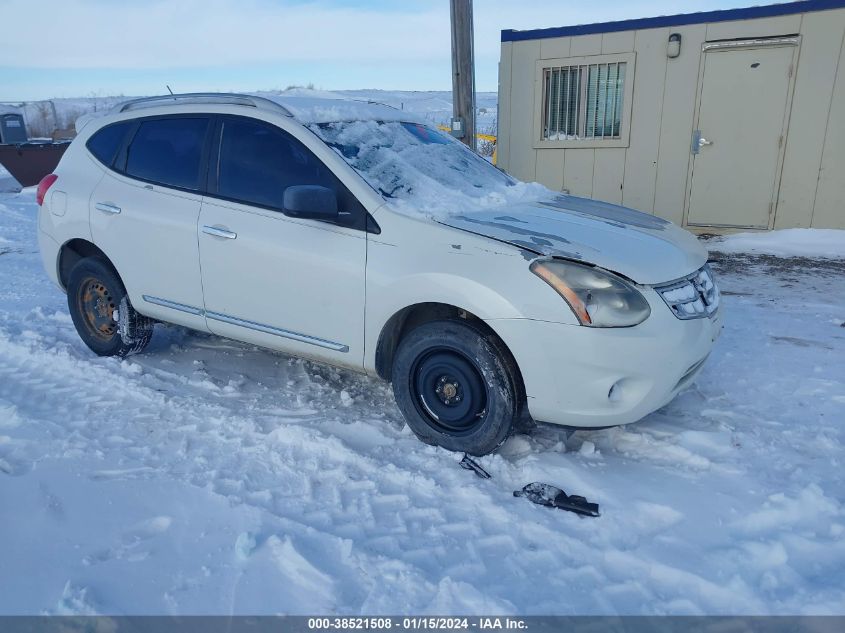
583 101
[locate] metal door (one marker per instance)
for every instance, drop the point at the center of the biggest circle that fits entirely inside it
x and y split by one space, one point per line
739 135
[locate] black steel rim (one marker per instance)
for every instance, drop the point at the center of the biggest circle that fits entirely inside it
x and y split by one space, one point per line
97 307
449 391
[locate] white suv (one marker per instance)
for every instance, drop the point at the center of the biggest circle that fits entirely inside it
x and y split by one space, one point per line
352 234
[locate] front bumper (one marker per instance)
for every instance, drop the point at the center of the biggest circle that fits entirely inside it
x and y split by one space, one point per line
595 377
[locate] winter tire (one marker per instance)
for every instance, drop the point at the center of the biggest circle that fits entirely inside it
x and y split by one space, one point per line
105 320
456 386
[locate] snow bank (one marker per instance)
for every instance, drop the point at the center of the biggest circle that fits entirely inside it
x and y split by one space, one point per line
827 243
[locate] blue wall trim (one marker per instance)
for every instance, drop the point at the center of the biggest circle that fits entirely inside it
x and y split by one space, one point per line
772 10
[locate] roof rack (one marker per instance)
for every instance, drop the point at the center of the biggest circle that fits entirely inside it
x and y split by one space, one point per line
217 98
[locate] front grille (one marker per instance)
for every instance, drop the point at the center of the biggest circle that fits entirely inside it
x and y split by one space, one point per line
692 297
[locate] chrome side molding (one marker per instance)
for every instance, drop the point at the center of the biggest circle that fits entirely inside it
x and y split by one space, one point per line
252 325
173 305
269 329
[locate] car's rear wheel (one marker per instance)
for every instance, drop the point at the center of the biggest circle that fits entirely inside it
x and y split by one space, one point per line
455 384
100 309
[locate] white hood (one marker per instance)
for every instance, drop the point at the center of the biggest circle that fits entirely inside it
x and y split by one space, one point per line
641 247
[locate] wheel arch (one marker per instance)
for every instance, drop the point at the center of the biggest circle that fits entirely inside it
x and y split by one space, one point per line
412 316
74 250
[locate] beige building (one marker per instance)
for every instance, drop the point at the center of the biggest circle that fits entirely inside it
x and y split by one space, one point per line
717 120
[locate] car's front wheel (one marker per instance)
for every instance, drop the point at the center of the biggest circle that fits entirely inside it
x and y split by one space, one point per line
100 309
456 385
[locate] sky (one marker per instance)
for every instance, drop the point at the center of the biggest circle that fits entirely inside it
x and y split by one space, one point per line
81 48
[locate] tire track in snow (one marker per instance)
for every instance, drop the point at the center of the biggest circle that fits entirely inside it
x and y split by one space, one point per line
423 524
324 491
347 494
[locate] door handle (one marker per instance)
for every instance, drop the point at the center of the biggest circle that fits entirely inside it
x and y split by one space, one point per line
216 231
107 207
698 141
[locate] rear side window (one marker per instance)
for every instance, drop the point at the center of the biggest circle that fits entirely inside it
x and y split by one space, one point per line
259 161
168 151
105 143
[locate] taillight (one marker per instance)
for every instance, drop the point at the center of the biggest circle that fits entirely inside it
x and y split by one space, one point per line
46 182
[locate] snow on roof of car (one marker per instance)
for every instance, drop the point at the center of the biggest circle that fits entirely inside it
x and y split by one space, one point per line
328 108
307 106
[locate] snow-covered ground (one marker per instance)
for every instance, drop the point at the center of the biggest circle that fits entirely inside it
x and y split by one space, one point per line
206 476
823 243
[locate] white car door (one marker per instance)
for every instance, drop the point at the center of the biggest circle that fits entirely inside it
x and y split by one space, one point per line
288 283
144 216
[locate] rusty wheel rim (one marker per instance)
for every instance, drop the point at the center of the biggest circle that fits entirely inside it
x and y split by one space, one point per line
97 307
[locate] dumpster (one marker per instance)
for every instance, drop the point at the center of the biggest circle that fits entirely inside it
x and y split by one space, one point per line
8 184
30 162
27 162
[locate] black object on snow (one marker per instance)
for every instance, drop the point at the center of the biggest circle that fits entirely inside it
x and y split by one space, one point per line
546 495
467 463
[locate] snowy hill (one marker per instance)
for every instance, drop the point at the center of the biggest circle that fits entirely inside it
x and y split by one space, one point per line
43 117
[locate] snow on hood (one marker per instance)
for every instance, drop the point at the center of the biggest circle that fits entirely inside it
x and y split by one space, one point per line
419 170
639 246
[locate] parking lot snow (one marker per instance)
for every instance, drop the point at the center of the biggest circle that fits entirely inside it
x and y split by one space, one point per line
210 477
818 243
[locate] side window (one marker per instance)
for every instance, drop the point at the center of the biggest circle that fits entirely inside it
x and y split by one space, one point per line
168 151
104 143
259 161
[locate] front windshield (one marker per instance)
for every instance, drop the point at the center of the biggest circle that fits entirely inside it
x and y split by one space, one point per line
414 165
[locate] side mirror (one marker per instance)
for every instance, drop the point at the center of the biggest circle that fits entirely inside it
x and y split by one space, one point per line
311 201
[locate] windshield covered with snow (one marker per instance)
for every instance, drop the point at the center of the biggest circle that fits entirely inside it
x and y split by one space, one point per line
417 166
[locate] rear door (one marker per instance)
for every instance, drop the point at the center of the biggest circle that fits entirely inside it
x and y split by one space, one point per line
288 283
144 216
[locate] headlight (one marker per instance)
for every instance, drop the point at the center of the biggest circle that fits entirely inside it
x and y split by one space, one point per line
598 298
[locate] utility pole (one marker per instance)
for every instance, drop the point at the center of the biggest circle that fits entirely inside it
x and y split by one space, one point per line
463 72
